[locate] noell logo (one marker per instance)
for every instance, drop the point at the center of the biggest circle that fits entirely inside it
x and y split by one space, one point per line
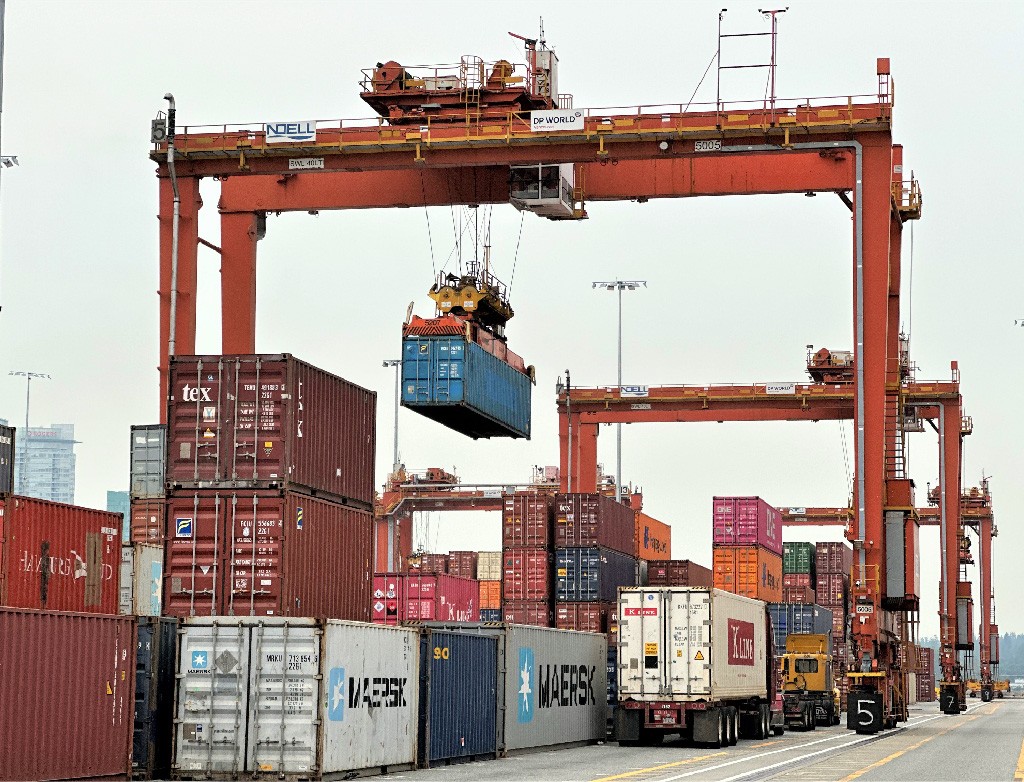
524 712
195 394
336 695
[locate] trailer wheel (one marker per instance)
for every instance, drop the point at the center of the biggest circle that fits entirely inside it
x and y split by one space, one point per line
723 740
812 717
765 716
732 727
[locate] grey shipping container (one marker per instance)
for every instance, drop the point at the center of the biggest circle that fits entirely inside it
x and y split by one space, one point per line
552 684
294 698
154 697
458 696
592 574
142 575
792 618
148 461
7 438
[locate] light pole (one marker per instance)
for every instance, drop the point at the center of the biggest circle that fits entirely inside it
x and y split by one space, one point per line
620 286
28 396
397 364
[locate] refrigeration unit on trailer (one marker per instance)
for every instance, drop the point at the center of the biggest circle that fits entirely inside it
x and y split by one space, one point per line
696 661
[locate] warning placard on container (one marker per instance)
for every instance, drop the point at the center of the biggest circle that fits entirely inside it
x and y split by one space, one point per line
650 649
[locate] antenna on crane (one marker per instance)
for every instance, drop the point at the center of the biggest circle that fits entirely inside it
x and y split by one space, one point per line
540 38
771 65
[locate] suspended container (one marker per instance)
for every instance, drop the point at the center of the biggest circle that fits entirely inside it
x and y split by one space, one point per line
465 378
155 662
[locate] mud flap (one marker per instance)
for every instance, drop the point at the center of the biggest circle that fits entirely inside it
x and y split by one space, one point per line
705 726
627 724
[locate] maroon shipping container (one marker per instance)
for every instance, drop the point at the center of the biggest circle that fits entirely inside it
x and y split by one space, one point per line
263 553
796 580
746 521
797 594
587 520
148 520
59 557
833 558
528 612
526 574
678 572
831 589
419 597
462 564
526 520
587 617
68 705
269 422
426 564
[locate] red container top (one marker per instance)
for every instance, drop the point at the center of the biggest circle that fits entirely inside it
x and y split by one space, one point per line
747 521
587 520
401 597
58 557
526 520
269 421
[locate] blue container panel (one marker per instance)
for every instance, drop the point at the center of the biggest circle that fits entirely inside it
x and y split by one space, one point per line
798 618
592 574
490 614
459 696
613 675
459 384
154 697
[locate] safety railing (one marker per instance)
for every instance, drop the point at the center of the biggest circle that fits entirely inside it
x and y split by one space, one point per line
907 197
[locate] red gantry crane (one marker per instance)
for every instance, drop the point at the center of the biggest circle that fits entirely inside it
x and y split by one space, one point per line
468 150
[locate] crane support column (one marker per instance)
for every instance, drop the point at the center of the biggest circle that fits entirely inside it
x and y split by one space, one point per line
951 688
188 249
985 534
238 237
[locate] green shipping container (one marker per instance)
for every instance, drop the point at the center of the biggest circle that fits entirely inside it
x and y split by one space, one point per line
798 558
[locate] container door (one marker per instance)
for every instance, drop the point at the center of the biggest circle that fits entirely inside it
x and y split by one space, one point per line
195 551
688 641
284 717
126 592
252 571
213 699
260 403
449 370
148 580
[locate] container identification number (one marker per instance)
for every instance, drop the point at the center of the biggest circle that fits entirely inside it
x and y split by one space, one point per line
441 653
711 145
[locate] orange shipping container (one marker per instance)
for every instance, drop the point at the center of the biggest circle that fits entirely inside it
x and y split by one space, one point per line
490 594
750 571
653 538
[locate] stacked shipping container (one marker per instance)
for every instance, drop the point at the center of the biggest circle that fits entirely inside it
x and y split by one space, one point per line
925 674
527 540
678 572
422 597
747 547
833 562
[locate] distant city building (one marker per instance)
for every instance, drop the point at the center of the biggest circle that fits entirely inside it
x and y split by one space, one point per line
119 502
50 454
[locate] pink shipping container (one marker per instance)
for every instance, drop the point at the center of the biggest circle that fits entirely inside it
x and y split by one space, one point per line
833 558
266 553
269 421
587 520
462 563
526 574
69 695
796 580
412 597
526 520
148 520
59 557
530 612
746 521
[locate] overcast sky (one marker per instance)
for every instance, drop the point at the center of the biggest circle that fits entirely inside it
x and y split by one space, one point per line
736 286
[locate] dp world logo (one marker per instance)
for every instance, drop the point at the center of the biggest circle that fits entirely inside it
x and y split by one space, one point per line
524 712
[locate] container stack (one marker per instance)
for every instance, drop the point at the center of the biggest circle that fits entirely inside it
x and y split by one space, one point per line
798 618
488 571
833 562
798 572
424 597
747 548
594 556
527 558
147 488
925 674
429 564
269 472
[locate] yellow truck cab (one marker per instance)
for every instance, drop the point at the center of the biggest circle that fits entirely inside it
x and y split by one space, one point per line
809 695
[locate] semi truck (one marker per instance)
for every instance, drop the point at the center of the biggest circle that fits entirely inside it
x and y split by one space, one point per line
695 661
809 696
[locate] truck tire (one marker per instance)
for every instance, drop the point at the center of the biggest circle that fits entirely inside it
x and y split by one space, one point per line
812 716
723 739
765 714
732 725
835 716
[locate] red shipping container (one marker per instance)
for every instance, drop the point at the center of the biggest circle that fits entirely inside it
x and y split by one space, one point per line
462 563
831 589
426 564
269 421
531 612
526 519
833 558
69 695
148 520
746 521
420 597
586 617
266 553
58 557
750 571
678 572
797 580
490 594
797 594
400 534
526 574
653 538
587 520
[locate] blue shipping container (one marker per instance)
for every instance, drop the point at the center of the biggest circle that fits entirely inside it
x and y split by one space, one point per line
490 614
154 697
797 618
592 574
459 384
458 696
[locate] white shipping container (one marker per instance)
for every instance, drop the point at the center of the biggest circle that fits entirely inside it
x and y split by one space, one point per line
141 579
294 697
691 643
489 566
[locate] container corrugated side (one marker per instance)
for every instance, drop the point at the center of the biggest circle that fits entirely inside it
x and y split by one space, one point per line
58 557
148 461
592 574
798 557
68 681
751 571
594 520
266 553
653 538
148 520
798 618
528 612
746 521
690 644
526 520
458 696
527 574
462 563
269 421
155 665
392 543
415 597
833 558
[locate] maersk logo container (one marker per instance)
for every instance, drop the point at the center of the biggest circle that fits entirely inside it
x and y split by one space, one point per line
459 384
